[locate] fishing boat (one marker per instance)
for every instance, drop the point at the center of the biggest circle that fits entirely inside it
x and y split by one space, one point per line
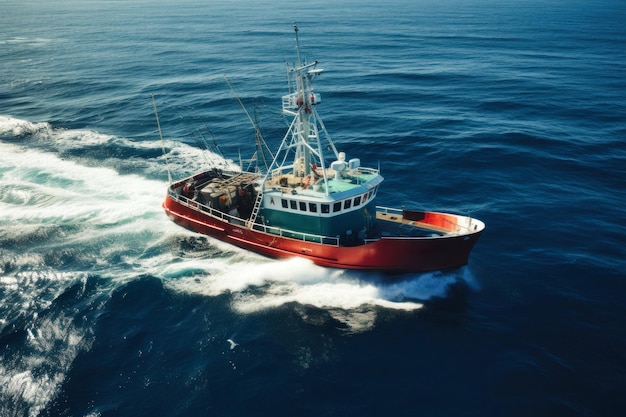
313 201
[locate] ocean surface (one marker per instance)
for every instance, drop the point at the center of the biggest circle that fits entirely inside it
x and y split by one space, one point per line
513 112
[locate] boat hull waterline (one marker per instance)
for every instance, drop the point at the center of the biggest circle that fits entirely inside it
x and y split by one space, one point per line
387 253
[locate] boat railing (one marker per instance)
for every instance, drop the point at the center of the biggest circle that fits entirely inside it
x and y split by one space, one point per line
305 237
460 225
471 226
190 202
366 170
389 210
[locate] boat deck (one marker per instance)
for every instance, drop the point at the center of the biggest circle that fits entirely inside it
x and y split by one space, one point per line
349 180
391 224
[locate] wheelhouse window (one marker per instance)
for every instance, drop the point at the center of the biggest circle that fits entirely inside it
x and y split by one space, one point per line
347 204
325 208
284 203
337 206
313 207
357 201
302 206
293 205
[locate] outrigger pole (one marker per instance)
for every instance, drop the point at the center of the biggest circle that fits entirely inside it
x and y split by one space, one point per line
260 141
167 165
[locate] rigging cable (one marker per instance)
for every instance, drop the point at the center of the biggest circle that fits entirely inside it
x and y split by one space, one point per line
167 166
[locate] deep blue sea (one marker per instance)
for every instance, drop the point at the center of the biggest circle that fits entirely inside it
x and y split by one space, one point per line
510 111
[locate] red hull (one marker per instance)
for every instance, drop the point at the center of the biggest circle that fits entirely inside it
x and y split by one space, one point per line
397 254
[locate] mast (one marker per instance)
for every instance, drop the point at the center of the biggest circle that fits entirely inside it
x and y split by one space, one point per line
301 152
299 103
295 28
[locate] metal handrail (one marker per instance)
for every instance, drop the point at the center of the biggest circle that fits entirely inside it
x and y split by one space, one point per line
305 237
